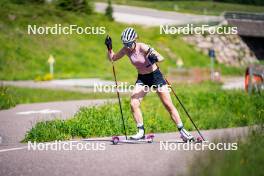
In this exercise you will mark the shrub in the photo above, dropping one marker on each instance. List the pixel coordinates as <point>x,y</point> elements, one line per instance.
<point>84,6</point>
<point>109,11</point>
<point>28,1</point>
<point>46,77</point>
<point>209,109</point>
<point>251,2</point>
<point>6,98</point>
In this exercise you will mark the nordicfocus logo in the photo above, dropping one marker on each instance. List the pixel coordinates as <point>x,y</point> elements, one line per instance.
<point>172,146</point>
<point>124,87</point>
<point>66,146</point>
<point>58,29</point>
<point>190,29</point>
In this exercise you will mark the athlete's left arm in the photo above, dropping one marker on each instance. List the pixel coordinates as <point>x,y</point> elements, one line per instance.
<point>152,54</point>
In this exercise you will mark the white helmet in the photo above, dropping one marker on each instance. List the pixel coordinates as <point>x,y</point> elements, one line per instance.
<point>128,35</point>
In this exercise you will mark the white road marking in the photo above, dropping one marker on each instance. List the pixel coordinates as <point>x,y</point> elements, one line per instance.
<point>44,111</point>
<point>13,149</point>
<point>26,147</point>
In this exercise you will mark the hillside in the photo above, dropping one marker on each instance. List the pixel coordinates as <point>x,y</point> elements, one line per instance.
<point>24,56</point>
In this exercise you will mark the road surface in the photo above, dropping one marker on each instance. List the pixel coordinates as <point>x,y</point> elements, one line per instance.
<point>77,85</point>
<point>16,121</point>
<point>123,159</point>
<point>87,85</point>
<point>153,17</point>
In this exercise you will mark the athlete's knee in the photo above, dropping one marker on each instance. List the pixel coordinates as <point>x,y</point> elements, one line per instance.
<point>134,103</point>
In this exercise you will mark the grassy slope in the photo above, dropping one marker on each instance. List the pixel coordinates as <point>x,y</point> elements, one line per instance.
<point>196,7</point>
<point>24,56</point>
<point>209,106</point>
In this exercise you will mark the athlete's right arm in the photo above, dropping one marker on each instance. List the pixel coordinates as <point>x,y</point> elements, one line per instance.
<point>115,56</point>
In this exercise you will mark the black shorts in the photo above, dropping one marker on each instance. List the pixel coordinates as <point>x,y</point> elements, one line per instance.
<point>154,79</point>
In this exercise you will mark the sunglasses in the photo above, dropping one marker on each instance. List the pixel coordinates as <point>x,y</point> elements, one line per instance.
<point>129,44</point>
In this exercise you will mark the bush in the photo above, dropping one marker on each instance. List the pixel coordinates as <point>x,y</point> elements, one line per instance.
<point>28,1</point>
<point>251,2</point>
<point>84,6</point>
<point>109,11</point>
<point>6,98</point>
<point>46,77</point>
<point>209,109</point>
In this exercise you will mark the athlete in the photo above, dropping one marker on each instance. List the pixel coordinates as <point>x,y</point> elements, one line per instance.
<point>144,59</point>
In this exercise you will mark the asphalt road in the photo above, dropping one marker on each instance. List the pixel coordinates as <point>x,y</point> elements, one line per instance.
<point>87,85</point>
<point>16,121</point>
<point>153,17</point>
<point>77,85</point>
<point>97,157</point>
<point>123,159</point>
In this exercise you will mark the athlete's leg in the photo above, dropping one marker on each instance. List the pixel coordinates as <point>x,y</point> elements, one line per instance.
<point>136,97</point>
<point>165,97</point>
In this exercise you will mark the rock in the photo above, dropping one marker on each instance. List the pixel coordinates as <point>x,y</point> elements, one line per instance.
<point>229,49</point>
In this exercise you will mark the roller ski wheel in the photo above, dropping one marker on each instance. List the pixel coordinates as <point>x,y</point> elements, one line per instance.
<point>199,139</point>
<point>115,140</point>
<point>150,138</point>
<point>192,140</point>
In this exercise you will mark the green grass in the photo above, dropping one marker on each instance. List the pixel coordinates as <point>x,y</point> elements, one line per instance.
<point>209,106</point>
<point>195,7</point>
<point>6,98</point>
<point>24,57</point>
<point>11,96</point>
<point>247,160</point>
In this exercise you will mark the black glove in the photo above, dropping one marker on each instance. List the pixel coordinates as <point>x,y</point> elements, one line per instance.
<point>108,42</point>
<point>151,56</point>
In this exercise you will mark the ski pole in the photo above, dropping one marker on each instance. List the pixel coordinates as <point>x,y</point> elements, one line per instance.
<point>183,108</point>
<point>108,43</point>
<point>119,101</point>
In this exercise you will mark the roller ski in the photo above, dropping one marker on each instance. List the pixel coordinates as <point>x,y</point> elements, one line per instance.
<point>137,138</point>
<point>147,139</point>
<point>187,137</point>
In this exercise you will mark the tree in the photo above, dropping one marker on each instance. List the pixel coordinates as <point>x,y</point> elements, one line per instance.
<point>109,11</point>
<point>76,5</point>
<point>28,1</point>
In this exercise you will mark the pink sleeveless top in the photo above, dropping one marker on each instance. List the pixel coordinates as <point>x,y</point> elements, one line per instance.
<point>138,59</point>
